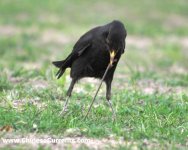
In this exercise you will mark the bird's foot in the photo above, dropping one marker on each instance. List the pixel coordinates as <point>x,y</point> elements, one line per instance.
<point>113,111</point>
<point>64,111</point>
<point>114,117</point>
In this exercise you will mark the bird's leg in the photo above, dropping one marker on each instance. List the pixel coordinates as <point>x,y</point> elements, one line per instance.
<point>68,95</point>
<point>112,55</point>
<point>108,97</point>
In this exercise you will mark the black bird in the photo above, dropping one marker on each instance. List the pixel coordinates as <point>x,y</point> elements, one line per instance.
<point>91,55</point>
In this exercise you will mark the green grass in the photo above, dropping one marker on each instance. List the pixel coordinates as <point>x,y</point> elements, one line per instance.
<point>139,116</point>
<point>34,33</point>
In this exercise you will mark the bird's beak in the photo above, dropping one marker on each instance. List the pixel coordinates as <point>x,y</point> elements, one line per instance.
<point>112,55</point>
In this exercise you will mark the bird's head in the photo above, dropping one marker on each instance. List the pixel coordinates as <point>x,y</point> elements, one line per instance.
<point>116,37</point>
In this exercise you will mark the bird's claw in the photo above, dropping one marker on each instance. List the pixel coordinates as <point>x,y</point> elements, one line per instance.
<point>114,117</point>
<point>63,112</point>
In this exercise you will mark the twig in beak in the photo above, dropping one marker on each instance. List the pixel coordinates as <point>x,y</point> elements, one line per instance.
<point>112,55</point>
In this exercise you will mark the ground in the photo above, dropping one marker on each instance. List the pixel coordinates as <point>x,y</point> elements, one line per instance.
<point>149,88</point>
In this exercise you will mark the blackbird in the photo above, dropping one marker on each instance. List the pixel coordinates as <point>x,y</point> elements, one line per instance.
<point>91,55</point>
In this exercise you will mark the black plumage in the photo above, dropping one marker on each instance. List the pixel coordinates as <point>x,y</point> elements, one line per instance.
<point>91,54</point>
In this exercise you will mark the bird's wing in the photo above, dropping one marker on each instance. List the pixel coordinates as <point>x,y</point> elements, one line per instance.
<point>85,41</point>
<point>82,44</point>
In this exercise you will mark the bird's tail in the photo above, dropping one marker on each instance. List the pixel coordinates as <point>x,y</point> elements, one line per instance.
<point>62,67</point>
<point>64,64</point>
<point>58,64</point>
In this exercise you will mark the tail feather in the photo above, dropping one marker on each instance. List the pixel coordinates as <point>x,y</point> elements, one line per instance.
<point>63,64</point>
<point>60,73</point>
<point>58,64</point>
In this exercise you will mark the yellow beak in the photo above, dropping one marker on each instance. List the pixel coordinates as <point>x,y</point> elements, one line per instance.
<point>112,55</point>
